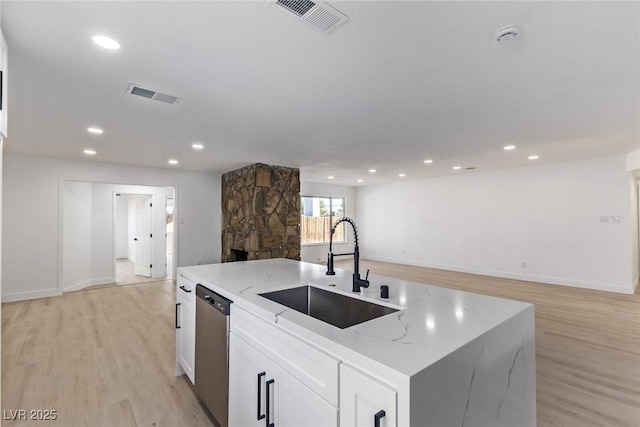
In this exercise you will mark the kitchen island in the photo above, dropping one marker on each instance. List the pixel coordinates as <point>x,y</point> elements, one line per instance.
<point>445,357</point>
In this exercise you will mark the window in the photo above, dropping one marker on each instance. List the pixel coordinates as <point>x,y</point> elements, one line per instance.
<point>317,216</point>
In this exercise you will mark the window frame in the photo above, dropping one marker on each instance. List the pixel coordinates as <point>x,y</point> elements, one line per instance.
<point>331,216</point>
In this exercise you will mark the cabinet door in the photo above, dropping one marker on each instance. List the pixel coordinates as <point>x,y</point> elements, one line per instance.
<point>286,402</point>
<point>365,402</point>
<point>186,335</point>
<point>247,384</point>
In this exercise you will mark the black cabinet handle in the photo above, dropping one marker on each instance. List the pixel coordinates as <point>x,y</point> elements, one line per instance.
<point>185,289</point>
<point>267,423</point>
<point>260,375</point>
<point>177,326</point>
<point>377,417</point>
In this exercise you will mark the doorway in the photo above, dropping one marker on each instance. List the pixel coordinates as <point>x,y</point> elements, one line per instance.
<point>169,208</point>
<point>112,234</point>
<point>133,231</point>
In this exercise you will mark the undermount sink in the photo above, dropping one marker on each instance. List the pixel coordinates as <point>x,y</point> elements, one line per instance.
<point>330,307</point>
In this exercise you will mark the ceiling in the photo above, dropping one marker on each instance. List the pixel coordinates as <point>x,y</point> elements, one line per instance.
<point>399,83</point>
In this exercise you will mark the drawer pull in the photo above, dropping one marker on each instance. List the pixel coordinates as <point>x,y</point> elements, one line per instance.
<point>377,417</point>
<point>268,417</point>
<point>260,375</point>
<point>177,326</point>
<point>185,289</point>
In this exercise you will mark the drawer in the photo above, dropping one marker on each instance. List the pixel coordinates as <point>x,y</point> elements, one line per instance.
<point>187,288</point>
<point>313,368</point>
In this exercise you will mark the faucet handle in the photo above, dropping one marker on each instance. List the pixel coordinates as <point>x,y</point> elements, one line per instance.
<point>367,276</point>
<point>330,271</point>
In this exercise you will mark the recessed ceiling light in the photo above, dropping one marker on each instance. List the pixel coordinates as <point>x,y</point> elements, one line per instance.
<point>372,171</point>
<point>402,175</point>
<point>106,42</point>
<point>533,157</point>
<point>428,161</point>
<point>509,147</point>
<point>197,146</point>
<point>94,130</point>
<point>173,162</point>
<point>361,180</point>
<point>330,177</point>
<point>457,168</point>
<point>90,152</point>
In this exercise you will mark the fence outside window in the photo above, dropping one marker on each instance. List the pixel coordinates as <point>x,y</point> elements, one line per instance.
<point>318,214</point>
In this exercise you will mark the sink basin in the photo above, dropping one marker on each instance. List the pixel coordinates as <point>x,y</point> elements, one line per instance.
<point>330,307</point>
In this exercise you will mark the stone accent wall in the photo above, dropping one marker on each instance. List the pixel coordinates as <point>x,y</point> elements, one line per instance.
<point>261,212</point>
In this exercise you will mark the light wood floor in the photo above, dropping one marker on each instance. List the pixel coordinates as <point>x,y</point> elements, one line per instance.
<point>125,274</point>
<point>587,344</point>
<point>101,357</point>
<point>105,357</point>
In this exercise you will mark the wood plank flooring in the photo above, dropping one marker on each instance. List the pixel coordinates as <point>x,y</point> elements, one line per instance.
<point>106,357</point>
<point>101,357</point>
<point>587,344</point>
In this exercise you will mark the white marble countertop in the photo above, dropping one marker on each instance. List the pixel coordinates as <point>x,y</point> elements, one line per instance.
<point>432,322</point>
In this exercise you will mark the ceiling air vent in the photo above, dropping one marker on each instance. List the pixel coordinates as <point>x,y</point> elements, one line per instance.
<point>134,89</point>
<point>316,13</point>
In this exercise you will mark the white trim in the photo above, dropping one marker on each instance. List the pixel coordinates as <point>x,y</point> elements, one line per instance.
<point>176,226</point>
<point>609,287</point>
<point>60,237</point>
<point>90,282</point>
<point>21,296</point>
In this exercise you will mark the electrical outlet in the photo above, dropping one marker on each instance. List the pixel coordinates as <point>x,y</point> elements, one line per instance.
<point>403,252</point>
<point>609,219</point>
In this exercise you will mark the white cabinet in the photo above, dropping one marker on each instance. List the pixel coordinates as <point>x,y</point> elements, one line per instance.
<point>262,392</point>
<point>364,401</point>
<point>185,328</point>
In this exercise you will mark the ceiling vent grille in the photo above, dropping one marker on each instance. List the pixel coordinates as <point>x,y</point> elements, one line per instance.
<point>316,13</point>
<point>134,89</point>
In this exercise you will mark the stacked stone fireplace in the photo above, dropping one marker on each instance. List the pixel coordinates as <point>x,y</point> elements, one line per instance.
<point>261,213</point>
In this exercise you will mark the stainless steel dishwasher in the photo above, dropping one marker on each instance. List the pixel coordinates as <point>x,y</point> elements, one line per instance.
<point>212,352</point>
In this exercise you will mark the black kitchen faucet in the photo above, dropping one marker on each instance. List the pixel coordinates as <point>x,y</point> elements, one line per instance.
<point>358,282</point>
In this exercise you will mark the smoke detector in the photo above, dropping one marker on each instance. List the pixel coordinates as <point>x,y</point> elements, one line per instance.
<point>316,13</point>
<point>138,90</point>
<point>508,33</point>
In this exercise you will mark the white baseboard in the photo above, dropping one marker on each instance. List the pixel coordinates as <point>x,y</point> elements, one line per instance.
<point>22,296</point>
<point>608,287</point>
<point>90,282</point>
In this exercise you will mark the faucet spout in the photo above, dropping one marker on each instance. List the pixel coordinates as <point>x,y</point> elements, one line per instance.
<point>358,282</point>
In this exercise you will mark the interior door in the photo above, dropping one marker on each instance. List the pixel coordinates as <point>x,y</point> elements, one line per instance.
<point>143,236</point>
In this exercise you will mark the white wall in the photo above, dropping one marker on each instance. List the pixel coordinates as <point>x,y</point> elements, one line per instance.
<point>122,227</point>
<point>489,223</point>
<point>78,229</point>
<point>318,252</point>
<point>30,216</point>
<point>635,232</point>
